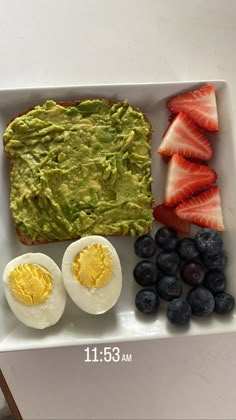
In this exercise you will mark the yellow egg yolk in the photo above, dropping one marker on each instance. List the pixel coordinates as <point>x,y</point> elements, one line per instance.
<point>92,266</point>
<point>30,284</point>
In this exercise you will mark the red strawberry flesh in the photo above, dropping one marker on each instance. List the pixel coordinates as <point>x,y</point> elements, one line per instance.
<point>184,138</point>
<point>200,105</point>
<point>203,210</point>
<point>184,179</point>
<point>167,217</point>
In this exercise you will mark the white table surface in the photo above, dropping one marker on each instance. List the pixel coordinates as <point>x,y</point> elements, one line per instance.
<point>102,41</point>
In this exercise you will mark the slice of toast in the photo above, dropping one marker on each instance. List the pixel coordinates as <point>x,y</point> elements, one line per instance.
<point>12,135</point>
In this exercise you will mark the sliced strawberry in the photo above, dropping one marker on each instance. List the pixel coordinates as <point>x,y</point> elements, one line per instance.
<point>199,161</point>
<point>184,138</point>
<point>166,158</point>
<point>168,126</point>
<point>166,216</point>
<point>200,105</point>
<point>185,178</point>
<point>203,210</point>
<point>171,118</point>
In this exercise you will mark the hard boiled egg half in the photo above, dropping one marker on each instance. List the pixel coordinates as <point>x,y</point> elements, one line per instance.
<point>92,274</point>
<point>34,290</point>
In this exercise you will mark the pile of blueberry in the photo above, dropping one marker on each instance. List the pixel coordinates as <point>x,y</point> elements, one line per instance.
<point>198,262</point>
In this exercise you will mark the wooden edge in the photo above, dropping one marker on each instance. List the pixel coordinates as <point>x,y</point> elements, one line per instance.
<point>9,398</point>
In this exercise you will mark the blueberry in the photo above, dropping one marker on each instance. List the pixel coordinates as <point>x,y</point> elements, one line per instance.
<point>215,262</point>
<point>208,241</point>
<point>145,246</point>
<point>201,301</point>
<point>169,287</point>
<point>178,312</point>
<point>187,250</point>
<point>166,238</point>
<point>215,281</point>
<point>192,273</point>
<point>224,303</point>
<point>168,262</point>
<point>145,273</point>
<point>147,301</point>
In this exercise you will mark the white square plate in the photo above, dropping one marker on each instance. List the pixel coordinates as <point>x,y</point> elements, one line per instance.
<point>122,323</point>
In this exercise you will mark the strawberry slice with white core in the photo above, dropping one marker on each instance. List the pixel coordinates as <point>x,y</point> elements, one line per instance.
<point>204,209</point>
<point>184,138</point>
<point>184,179</point>
<point>167,217</point>
<point>200,105</point>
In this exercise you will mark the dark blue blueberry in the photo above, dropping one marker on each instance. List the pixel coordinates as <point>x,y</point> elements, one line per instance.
<point>224,303</point>
<point>168,262</point>
<point>201,301</point>
<point>147,301</point>
<point>145,273</point>
<point>166,238</point>
<point>215,262</point>
<point>187,250</point>
<point>169,287</point>
<point>145,246</point>
<point>179,312</point>
<point>208,241</point>
<point>192,273</point>
<point>215,281</point>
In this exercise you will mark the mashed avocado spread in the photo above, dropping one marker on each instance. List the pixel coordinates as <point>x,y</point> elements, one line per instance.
<point>80,170</point>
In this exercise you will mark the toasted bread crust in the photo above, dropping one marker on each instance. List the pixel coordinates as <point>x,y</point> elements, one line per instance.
<point>26,240</point>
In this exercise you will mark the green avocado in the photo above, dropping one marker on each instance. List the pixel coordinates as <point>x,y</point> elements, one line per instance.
<point>80,170</point>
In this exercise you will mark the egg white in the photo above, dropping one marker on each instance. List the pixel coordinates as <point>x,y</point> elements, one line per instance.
<point>92,300</point>
<point>50,311</point>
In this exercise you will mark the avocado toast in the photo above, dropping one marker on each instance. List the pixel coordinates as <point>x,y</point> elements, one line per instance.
<point>79,168</point>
